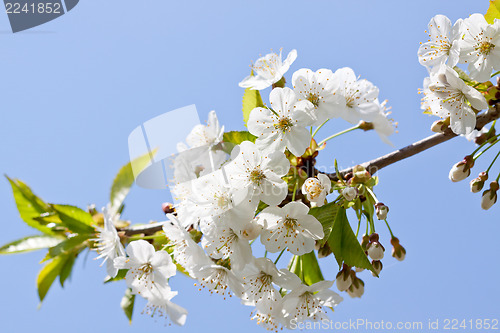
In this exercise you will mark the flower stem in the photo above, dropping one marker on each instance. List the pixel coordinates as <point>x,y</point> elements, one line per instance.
<point>490,140</point>
<point>496,73</point>
<point>493,162</point>
<point>317,128</point>
<point>279,256</point>
<point>295,189</point>
<point>484,151</point>
<point>338,134</point>
<point>387,223</point>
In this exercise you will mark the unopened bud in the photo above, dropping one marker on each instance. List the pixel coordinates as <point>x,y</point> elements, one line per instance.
<point>359,269</point>
<point>360,175</point>
<point>357,288</point>
<point>375,250</point>
<point>461,170</point>
<point>398,251</point>
<point>437,126</point>
<point>489,196</point>
<point>167,208</point>
<point>344,278</point>
<point>350,193</point>
<point>377,266</point>
<point>381,211</point>
<point>477,184</point>
<point>365,241</point>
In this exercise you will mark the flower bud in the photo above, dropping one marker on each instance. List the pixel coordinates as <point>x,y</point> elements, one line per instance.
<point>357,288</point>
<point>398,251</point>
<point>381,211</point>
<point>437,126</point>
<point>489,196</point>
<point>365,241</point>
<point>461,170</point>
<point>375,250</point>
<point>360,175</point>
<point>350,193</point>
<point>167,208</point>
<point>251,230</point>
<point>377,266</point>
<point>344,278</point>
<point>477,184</point>
<point>359,269</point>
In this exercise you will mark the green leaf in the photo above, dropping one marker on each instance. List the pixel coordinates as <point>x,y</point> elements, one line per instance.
<point>233,138</point>
<point>127,304</point>
<point>493,11</point>
<point>251,100</point>
<point>67,268</point>
<point>48,274</point>
<point>30,243</point>
<point>67,246</point>
<point>125,178</point>
<point>75,219</point>
<point>326,216</point>
<point>29,205</point>
<point>345,245</point>
<point>307,268</point>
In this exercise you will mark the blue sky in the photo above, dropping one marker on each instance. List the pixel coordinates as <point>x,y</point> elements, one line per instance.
<point>74,88</point>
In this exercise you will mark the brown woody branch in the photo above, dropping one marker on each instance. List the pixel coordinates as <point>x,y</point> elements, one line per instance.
<point>419,146</point>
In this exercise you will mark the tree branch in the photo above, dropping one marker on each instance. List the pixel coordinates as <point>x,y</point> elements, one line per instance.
<point>372,166</point>
<point>381,162</point>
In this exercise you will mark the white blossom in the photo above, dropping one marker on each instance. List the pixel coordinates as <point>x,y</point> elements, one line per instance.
<point>443,44</point>
<point>356,97</point>
<point>108,243</point>
<point>480,47</point>
<point>159,304</point>
<point>285,125</point>
<point>268,70</point>
<point>318,88</point>
<point>307,302</point>
<point>258,173</point>
<point>449,96</point>
<point>217,279</point>
<point>317,188</point>
<point>148,270</point>
<point>290,226</point>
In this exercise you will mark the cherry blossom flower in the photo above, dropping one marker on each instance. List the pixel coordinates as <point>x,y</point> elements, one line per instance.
<point>159,304</point>
<point>317,188</point>
<point>108,244</point>
<point>307,302</point>
<point>356,97</point>
<point>223,242</point>
<point>443,44</point>
<point>185,251</point>
<point>217,279</point>
<point>290,226</point>
<point>480,47</point>
<point>204,135</point>
<point>268,70</point>
<point>318,88</point>
<point>449,96</point>
<point>382,125</point>
<point>258,173</point>
<point>285,125</point>
<point>148,270</point>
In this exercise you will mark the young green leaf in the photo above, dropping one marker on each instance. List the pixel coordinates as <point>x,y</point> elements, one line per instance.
<point>30,243</point>
<point>68,245</point>
<point>307,268</point>
<point>75,219</point>
<point>326,216</point>
<point>29,205</point>
<point>345,245</point>
<point>48,274</point>
<point>127,304</point>
<point>125,178</point>
<point>233,138</point>
<point>67,268</point>
<point>119,276</point>
<point>251,100</point>
<point>493,11</point>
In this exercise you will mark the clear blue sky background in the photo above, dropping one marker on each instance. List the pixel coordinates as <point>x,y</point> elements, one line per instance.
<point>73,89</point>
